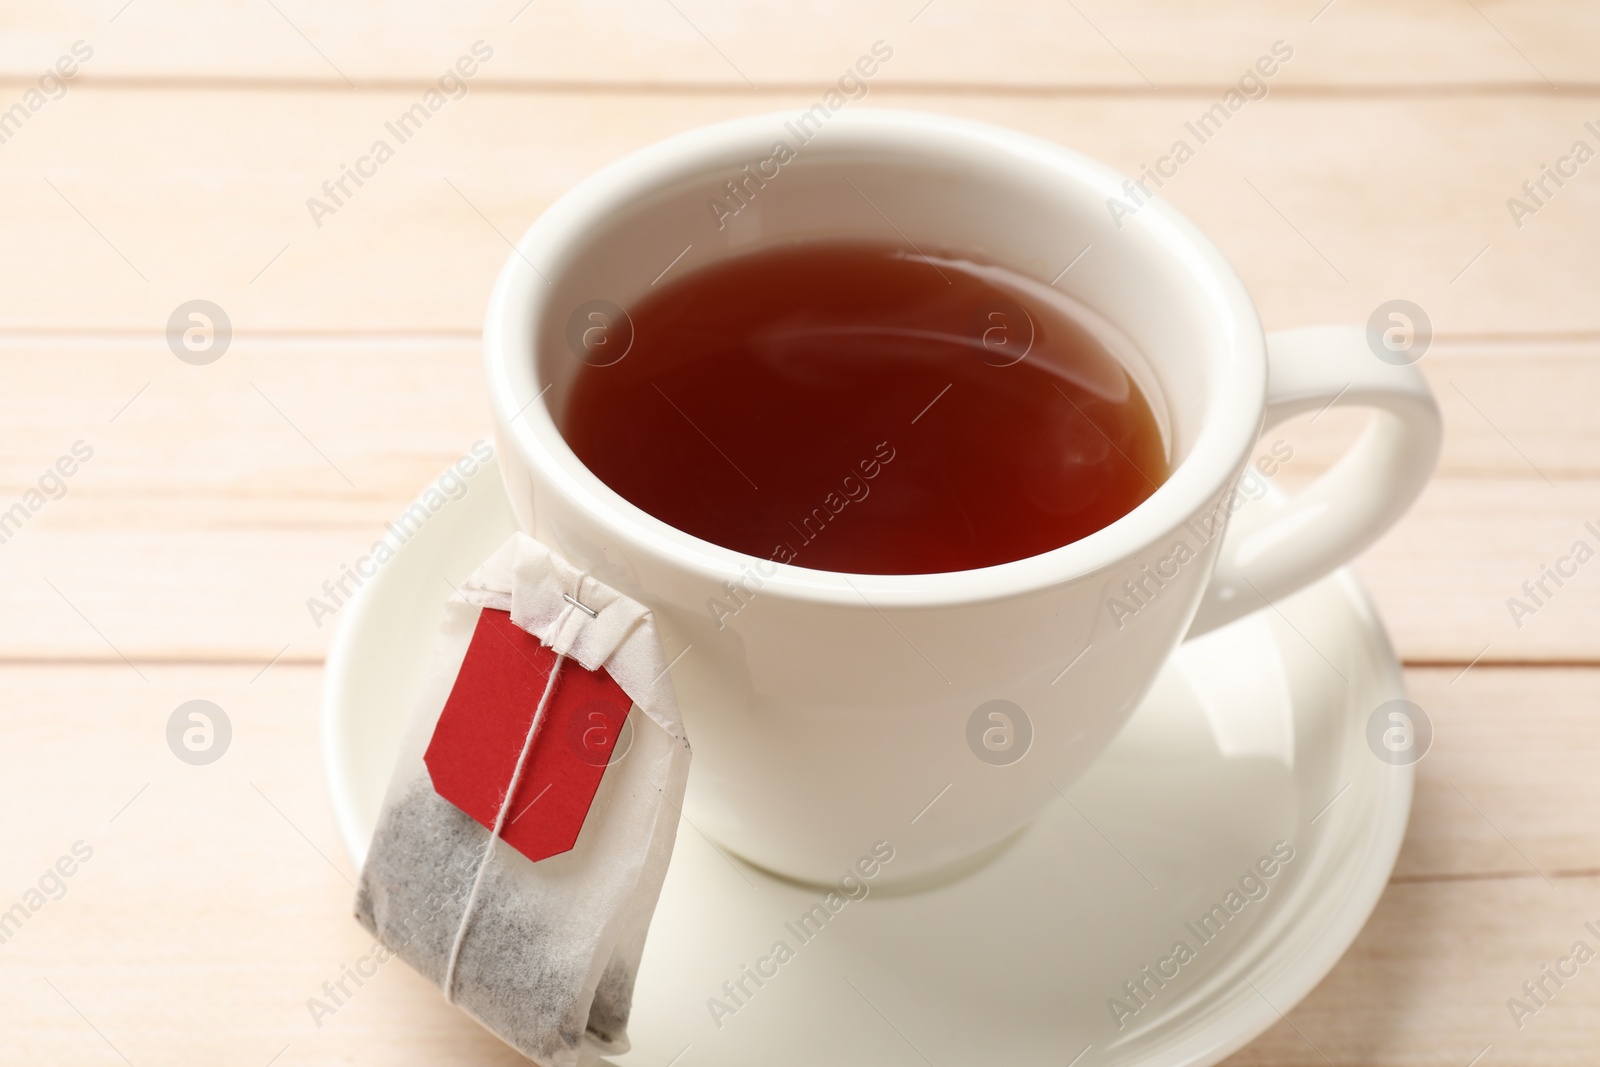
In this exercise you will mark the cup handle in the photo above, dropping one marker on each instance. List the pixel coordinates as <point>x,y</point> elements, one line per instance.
<point>1272,550</point>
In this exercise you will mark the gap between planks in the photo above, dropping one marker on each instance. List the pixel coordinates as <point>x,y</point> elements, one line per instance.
<point>1375,90</point>
<point>1492,876</point>
<point>317,660</point>
<point>13,336</point>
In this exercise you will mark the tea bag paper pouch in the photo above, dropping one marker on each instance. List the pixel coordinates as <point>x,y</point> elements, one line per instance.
<point>531,814</point>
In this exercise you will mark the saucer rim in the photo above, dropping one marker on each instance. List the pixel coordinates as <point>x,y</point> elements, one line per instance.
<point>1298,974</point>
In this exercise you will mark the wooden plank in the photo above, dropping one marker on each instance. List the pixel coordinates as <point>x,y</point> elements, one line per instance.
<point>723,44</point>
<point>1496,878</point>
<point>1442,579</point>
<point>1426,983</point>
<point>127,202</point>
<point>386,411</point>
<point>179,579</point>
<point>217,503</point>
<point>1514,409</point>
<point>1505,788</point>
<point>222,497</point>
<point>181,943</point>
<point>218,498</point>
<point>217,899</point>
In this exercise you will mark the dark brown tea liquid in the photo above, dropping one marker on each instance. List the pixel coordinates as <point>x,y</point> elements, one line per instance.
<point>858,407</point>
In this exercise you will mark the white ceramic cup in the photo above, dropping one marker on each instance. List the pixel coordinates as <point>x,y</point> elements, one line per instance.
<point>835,711</point>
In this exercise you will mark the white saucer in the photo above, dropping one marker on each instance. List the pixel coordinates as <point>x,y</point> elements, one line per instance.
<point>1252,735</point>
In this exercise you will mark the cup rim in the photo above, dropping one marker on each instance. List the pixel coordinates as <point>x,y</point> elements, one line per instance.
<point>1230,425</point>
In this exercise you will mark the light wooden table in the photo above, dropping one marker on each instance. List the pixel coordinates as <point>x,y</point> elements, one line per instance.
<point>177,165</point>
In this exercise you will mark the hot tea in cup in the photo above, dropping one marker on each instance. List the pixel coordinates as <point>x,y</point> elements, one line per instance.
<point>863,407</point>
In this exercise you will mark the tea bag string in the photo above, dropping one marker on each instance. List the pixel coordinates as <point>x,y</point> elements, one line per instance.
<point>511,790</point>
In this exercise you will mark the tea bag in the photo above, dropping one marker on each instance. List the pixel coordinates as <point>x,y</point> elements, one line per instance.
<point>549,722</point>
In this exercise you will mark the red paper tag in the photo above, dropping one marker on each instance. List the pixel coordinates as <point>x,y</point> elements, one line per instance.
<point>485,722</point>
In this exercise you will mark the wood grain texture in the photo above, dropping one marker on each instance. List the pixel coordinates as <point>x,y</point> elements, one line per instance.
<point>218,898</point>
<point>254,480</point>
<point>1426,983</point>
<point>177,561</point>
<point>1506,789</point>
<point>725,45</point>
<point>216,902</point>
<point>1328,207</point>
